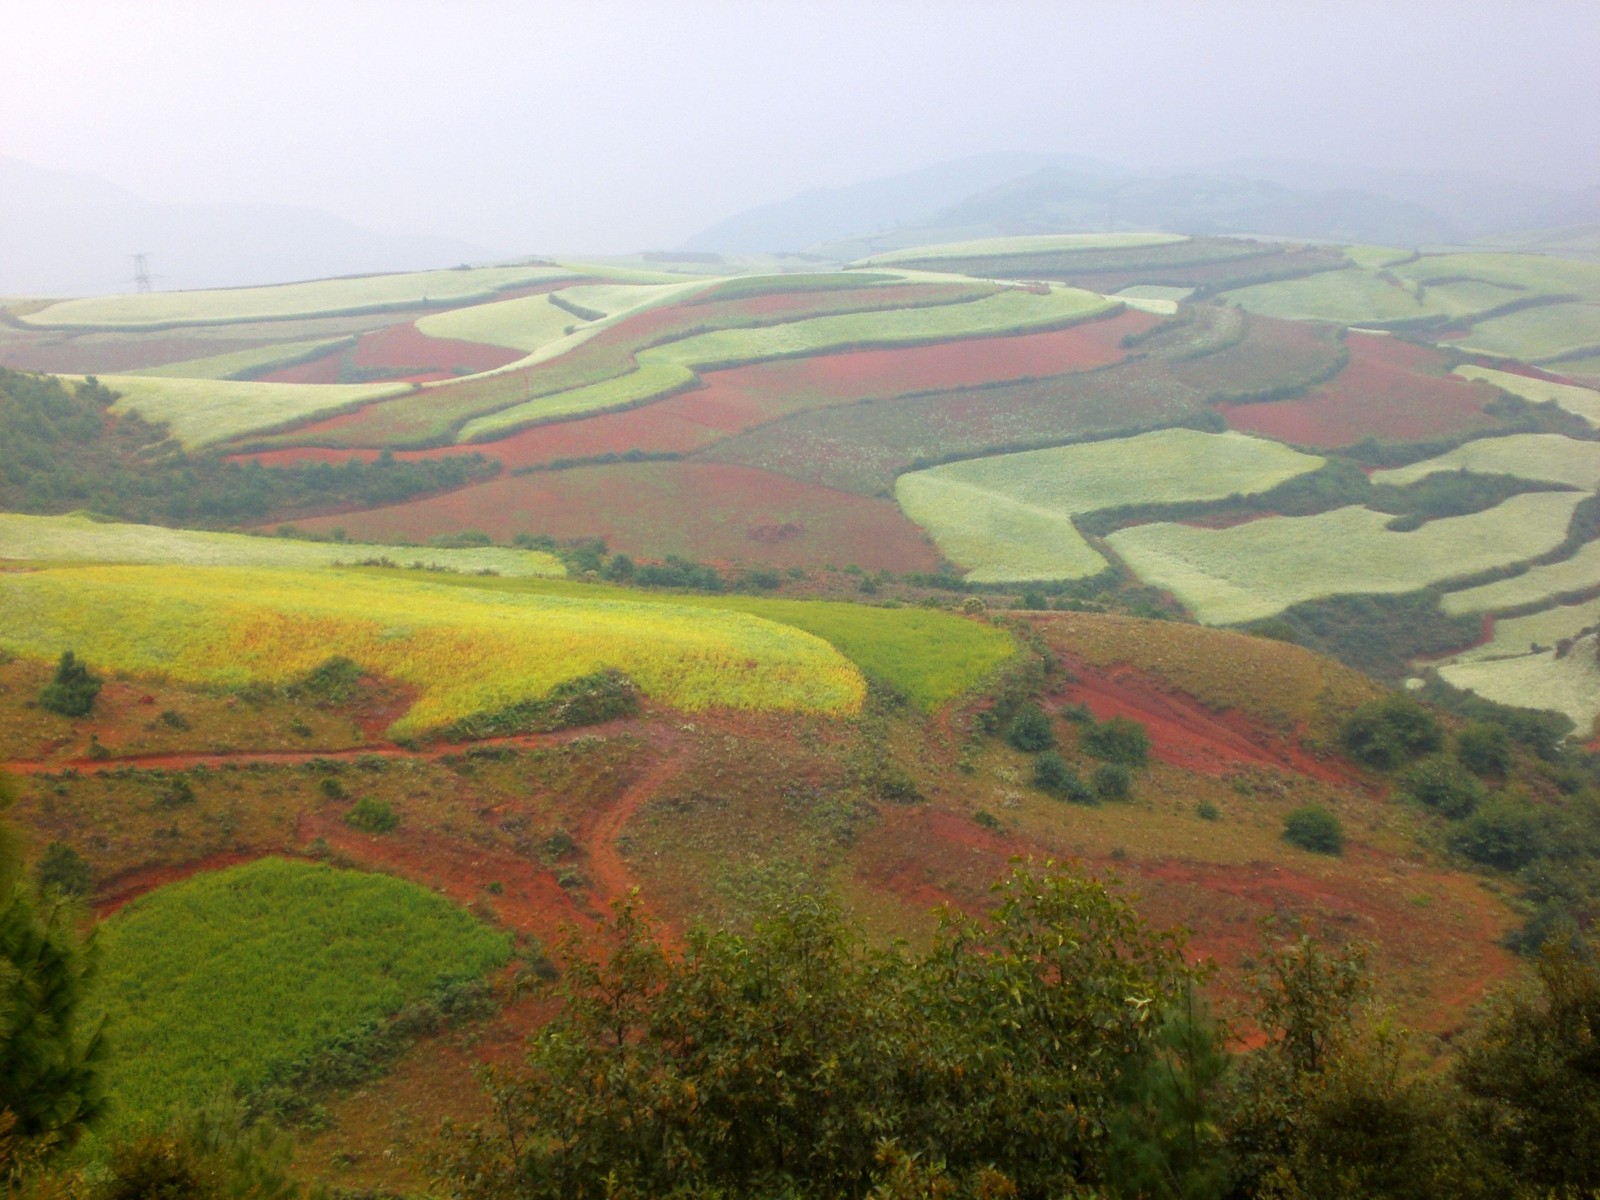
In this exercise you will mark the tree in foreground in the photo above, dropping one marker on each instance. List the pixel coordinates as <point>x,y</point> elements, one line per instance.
<point>796,1060</point>
<point>73,690</point>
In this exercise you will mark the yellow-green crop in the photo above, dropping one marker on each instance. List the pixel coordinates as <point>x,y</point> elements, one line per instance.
<point>466,651</point>
<point>1543,456</point>
<point>1582,401</point>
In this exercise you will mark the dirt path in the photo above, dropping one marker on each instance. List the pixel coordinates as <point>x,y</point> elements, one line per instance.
<point>607,871</point>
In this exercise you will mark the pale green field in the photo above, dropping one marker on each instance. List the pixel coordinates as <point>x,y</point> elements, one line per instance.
<point>259,358</point>
<point>1039,244</point>
<point>1548,457</point>
<point>526,323</point>
<point>1574,574</point>
<point>320,298</point>
<point>664,369</point>
<point>1154,291</point>
<point>466,651</point>
<point>207,412</point>
<point>79,539</point>
<point>1374,258</point>
<point>1581,401</point>
<point>1516,636</point>
<point>616,299</point>
<point>1257,570</point>
<point>1009,517</point>
<point>1535,273</point>
<point>1570,684</point>
<point>1537,335</point>
<point>1350,297</point>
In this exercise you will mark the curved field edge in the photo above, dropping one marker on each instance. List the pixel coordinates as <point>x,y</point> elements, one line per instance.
<point>1256,570</point>
<point>208,984</point>
<point>1009,516</point>
<point>467,654</point>
<point>152,311</point>
<point>666,369</point>
<point>82,539</point>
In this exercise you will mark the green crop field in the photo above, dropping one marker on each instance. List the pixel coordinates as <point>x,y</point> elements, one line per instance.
<point>1543,456</point>
<point>241,362</point>
<point>1582,401</point>
<point>1536,584</point>
<point>467,652</point>
<point>1350,297</point>
<point>208,984</point>
<point>526,323</point>
<point>1534,634</point>
<point>81,539</point>
<point>1259,569</point>
<point>323,297</point>
<point>1535,274</point>
<point>207,412</point>
<point>1536,335</point>
<point>1039,244</point>
<point>929,655</point>
<point>1009,517</point>
<point>668,368</point>
<point>1569,684</point>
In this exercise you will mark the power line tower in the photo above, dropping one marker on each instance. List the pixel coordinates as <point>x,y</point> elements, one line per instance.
<point>141,273</point>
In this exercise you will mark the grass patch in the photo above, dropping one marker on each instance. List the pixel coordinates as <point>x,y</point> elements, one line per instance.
<point>209,984</point>
<point>1544,456</point>
<point>1580,401</point>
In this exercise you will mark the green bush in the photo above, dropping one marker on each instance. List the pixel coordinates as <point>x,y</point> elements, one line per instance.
<point>1112,781</point>
<point>1052,774</point>
<point>1390,732</point>
<point>1442,786</point>
<point>1119,740</point>
<point>73,690</point>
<point>372,816</point>
<point>1030,730</point>
<point>1484,749</point>
<point>1314,828</point>
<point>1504,834</point>
<point>62,869</point>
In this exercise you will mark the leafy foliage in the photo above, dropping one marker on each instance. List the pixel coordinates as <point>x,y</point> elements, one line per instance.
<point>1052,774</point>
<point>72,692</point>
<point>1314,828</point>
<point>1442,786</point>
<point>63,870</point>
<point>1389,732</point>
<point>1119,740</point>
<point>1030,730</point>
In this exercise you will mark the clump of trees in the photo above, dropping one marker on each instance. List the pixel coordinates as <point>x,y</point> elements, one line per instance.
<point>73,690</point>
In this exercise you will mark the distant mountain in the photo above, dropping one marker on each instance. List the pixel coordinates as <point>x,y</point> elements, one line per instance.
<point>1019,193</point>
<point>833,214</point>
<point>68,233</point>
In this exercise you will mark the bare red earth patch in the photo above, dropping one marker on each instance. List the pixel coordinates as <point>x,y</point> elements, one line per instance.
<point>1392,390</point>
<point>698,510</point>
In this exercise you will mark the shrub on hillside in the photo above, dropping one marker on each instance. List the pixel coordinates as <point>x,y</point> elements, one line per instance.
<point>1112,781</point>
<point>1484,749</point>
<point>1314,828</point>
<point>1442,786</point>
<point>1390,732</point>
<point>1119,740</point>
<point>372,816</point>
<point>73,690</point>
<point>1504,834</point>
<point>62,869</point>
<point>1030,730</point>
<point>1052,774</point>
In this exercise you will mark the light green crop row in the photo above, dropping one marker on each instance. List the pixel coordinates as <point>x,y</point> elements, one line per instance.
<point>1037,244</point>
<point>320,298</point>
<point>1009,517</point>
<point>207,412</point>
<point>1581,401</point>
<point>1259,569</point>
<point>80,539</point>
<point>257,358</point>
<point>1547,457</point>
<point>1575,574</point>
<point>1569,684</point>
<point>208,984</point>
<point>525,323</point>
<point>667,368</point>
<point>1542,334</point>
<point>1535,274</point>
<point>1535,633</point>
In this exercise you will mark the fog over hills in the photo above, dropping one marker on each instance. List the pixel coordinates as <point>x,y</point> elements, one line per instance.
<point>74,233</point>
<point>1025,194</point>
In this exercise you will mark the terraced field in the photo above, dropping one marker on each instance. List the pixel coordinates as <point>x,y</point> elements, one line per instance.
<point>81,539</point>
<point>468,653</point>
<point>1543,456</point>
<point>1580,401</point>
<point>1567,683</point>
<point>1536,585</point>
<point>1009,517</point>
<point>323,297</point>
<point>1256,570</point>
<point>1545,334</point>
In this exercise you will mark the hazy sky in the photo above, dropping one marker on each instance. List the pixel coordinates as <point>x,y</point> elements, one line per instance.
<point>608,126</point>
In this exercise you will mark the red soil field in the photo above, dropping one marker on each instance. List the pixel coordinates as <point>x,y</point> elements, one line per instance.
<point>401,349</point>
<point>743,397</point>
<point>1392,390</point>
<point>705,511</point>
